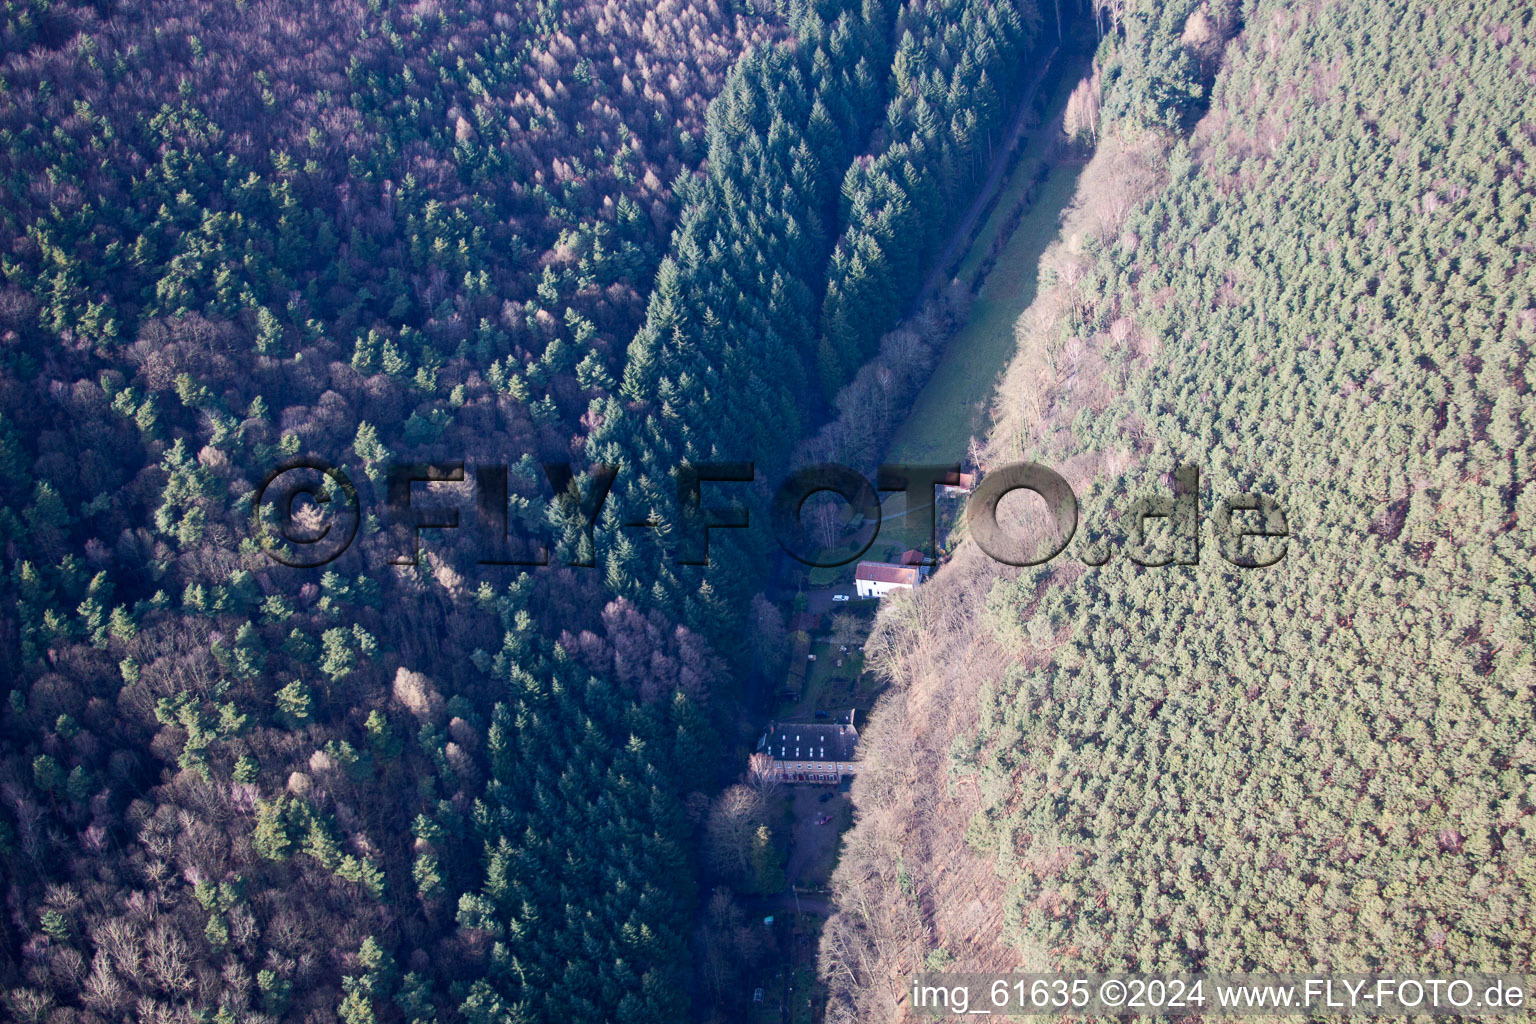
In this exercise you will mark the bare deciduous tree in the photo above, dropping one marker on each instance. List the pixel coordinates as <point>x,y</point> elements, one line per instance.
<point>733,820</point>
<point>1081,117</point>
<point>762,777</point>
<point>849,630</point>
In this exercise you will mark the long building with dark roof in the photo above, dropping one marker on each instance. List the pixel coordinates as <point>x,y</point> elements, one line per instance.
<point>810,752</point>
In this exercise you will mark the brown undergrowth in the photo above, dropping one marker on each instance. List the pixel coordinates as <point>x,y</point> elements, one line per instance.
<point>912,892</point>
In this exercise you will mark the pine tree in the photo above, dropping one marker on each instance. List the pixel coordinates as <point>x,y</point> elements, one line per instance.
<point>270,838</point>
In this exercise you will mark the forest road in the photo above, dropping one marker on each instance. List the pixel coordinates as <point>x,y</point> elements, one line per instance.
<point>960,238</point>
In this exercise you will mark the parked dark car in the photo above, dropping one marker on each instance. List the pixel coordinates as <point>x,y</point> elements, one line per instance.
<point>823,714</point>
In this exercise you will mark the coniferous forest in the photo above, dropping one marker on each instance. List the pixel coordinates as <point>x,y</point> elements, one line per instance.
<point>1299,260</point>
<point>542,251</point>
<point>513,234</point>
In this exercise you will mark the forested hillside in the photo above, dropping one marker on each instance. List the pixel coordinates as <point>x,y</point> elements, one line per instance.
<point>944,114</point>
<point>1324,294</point>
<point>237,234</point>
<point>726,365</point>
<point>504,233</point>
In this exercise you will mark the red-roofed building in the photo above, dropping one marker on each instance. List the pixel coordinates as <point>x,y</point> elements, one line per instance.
<point>876,579</point>
<point>958,483</point>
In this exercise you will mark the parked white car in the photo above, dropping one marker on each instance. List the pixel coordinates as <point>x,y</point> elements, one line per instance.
<point>841,597</point>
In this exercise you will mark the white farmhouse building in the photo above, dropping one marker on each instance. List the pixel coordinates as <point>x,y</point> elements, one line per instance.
<point>876,579</point>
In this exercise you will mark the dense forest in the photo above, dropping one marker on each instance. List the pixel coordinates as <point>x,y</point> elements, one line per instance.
<point>1312,279</point>
<point>508,233</point>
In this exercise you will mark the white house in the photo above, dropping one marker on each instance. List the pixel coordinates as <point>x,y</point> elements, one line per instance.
<point>876,579</point>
